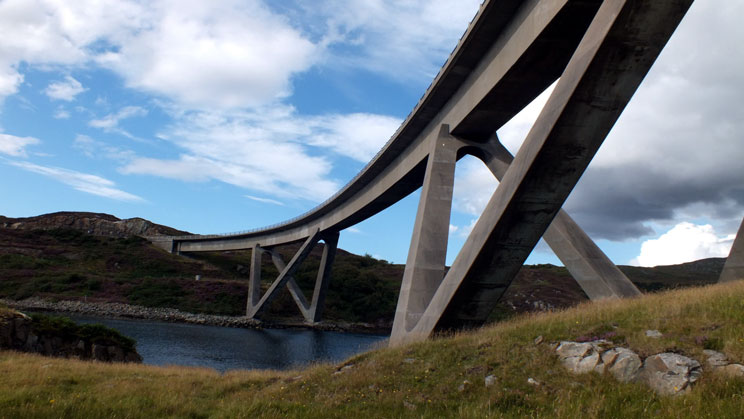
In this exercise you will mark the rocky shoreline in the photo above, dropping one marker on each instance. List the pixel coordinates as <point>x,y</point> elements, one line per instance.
<point>103,309</point>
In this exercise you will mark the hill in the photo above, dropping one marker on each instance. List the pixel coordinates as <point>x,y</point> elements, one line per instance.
<point>100,258</point>
<point>444,377</point>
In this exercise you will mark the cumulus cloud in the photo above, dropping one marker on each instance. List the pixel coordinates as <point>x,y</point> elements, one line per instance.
<point>16,146</point>
<point>685,242</point>
<point>65,90</point>
<point>225,53</point>
<point>82,182</point>
<point>474,185</point>
<point>676,151</point>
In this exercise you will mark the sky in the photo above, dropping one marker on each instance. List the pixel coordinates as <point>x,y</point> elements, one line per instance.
<point>229,115</point>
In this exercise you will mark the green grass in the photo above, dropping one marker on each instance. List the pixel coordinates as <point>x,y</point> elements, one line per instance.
<point>420,380</point>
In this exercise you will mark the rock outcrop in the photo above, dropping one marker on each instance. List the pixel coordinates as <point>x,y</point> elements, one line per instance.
<point>666,373</point>
<point>17,333</point>
<point>91,223</point>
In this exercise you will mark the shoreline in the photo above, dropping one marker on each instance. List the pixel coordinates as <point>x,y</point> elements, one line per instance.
<point>121,310</point>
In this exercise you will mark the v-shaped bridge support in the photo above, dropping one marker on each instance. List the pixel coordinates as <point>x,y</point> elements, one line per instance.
<point>312,310</point>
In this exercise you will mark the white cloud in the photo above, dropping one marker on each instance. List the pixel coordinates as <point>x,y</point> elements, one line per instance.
<point>98,149</point>
<point>112,120</point>
<point>16,146</point>
<point>405,40</point>
<point>61,113</point>
<point>264,200</point>
<point>357,135</point>
<point>271,149</point>
<point>224,53</point>
<point>83,182</point>
<point>474,185</point>
<point>65,90</point>
<point>227,54</point>
<point>685,242</point>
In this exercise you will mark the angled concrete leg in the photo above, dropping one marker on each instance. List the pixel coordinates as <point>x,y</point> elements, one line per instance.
<point>734,267</point>
<point>324,276</point>
<point>621,43</point>
<point>426,257</point>
<point>285,276</point>
<point>254,283</point>
<point>590,267</point>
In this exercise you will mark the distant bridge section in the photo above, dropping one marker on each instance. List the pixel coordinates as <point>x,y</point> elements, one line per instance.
<point>598,50</point>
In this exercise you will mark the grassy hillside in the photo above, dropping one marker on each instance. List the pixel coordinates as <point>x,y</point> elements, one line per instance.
<point>70,264</point>
<point>420,380</point>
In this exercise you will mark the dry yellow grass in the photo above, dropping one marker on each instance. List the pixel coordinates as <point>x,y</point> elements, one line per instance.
<point>419,380</point>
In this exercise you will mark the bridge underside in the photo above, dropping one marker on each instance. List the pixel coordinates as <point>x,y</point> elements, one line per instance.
<point>598,50</point>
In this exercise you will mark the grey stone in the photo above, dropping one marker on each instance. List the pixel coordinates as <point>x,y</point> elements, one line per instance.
<point>735,370</point>
<point>490,380</point>
<point>464,386</point>
<point>653,334</point>
<point>532,381</point>
<point>538,340</point>
<point>669,373</point>
<point>568,349</point>
<point>715,359</point>
<point>622,363</point>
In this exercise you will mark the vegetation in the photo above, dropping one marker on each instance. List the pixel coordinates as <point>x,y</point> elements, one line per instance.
<point>420,380</point>
<point>69,330</point>
<point>73,265</point>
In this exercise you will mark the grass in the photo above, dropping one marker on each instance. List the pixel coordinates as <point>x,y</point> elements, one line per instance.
<point>420,380</point>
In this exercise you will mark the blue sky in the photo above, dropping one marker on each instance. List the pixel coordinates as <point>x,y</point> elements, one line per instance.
<point>227,115</point>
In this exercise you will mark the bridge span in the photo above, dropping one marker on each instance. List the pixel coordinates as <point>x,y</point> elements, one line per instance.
<point>599,51</point>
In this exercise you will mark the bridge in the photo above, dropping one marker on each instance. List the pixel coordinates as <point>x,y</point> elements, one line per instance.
<point>598,51</point>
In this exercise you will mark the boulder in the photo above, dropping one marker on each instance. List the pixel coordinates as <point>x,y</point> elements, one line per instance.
<point>715,359</point>
<point>622,363</point>
<point>734,370</point>
<point>653,334</point>
<point>669,373</point>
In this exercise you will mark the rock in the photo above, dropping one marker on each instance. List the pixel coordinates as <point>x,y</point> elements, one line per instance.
<point>715,359</point>
<point>622,363</point>
<point>99,352</point>
<point>538,340</point>
<point>669,373</point>
<point>408,405</point>
<point>533,382</point>
<point>464,386</point>
<point>22,328</point>
<point>582,357</point>
<point>409,360</point>
<point>343,369</point>
<point>653,334</point>
<point>490,380</point>
<point>568,349</point>
<point>734,370</point>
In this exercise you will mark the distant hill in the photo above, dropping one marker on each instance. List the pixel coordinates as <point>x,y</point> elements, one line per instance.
<point>90,223</point>
<point>98,257</point>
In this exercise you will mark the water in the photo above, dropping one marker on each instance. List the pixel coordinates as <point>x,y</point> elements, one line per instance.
<point>225,348</point>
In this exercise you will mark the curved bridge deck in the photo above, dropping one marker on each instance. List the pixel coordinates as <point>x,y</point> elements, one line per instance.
<point>599,50</point>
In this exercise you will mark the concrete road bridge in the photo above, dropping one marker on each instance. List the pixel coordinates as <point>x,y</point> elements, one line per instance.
<point>599,51</point>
